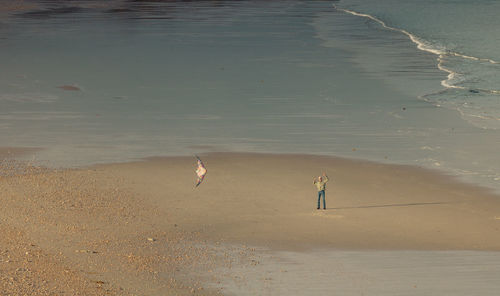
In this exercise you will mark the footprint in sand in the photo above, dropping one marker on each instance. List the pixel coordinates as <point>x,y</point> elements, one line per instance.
<point>326,215</point>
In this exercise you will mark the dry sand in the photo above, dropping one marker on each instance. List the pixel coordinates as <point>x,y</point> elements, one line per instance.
<point>143,228</point>
<point>270,200</point>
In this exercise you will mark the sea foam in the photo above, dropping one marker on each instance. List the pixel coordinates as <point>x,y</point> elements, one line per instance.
<point>487,116</point>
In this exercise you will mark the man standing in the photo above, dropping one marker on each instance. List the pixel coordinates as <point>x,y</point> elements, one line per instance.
<point>320,184</point>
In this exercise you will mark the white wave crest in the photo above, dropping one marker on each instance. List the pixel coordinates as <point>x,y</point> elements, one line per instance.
<point>425,46</point>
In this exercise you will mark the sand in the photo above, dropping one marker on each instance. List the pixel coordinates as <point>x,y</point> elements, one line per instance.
<point>142,228</point>
<point>373,272</point>
<point>13,152</point>
<point>270,200</point>
<point>13,6</point>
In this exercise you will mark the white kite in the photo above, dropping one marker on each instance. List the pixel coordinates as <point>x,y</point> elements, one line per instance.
<point>201,171</point>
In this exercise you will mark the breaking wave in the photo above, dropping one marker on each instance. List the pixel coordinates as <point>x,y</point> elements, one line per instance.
<point>460,86</point>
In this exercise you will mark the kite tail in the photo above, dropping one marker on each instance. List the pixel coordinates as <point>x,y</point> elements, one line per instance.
<point>199,182</point>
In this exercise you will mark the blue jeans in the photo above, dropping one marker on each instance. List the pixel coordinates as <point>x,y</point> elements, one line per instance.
<point>321,193</point>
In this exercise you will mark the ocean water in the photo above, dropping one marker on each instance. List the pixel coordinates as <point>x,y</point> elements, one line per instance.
<point>464,36</point>
<point>107,81</point>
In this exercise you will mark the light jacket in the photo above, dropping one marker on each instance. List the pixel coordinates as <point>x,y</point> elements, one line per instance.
<point>321,185</point>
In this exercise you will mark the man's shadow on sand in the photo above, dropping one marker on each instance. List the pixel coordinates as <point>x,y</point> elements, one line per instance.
<point>391,205</point>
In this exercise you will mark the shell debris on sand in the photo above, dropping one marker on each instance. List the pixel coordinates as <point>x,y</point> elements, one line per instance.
<point>95,229</point>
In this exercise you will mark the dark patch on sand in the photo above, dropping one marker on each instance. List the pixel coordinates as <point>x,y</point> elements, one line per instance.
<point>119,10</point>
<point>16,6</point>
<point>51,12</point>
<point>69,87</point>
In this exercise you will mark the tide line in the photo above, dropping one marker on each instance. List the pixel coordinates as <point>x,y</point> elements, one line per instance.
<point>426,47</point>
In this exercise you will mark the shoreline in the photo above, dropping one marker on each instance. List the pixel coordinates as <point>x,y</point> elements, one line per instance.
<point>24,153</point>
<point>351,273</point>
<point>13,152</point>
<point>413,202</point>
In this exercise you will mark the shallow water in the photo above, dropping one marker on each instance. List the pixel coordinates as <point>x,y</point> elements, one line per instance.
<point>465,37</point>
<point>349,273</point>
<point>97,82</point>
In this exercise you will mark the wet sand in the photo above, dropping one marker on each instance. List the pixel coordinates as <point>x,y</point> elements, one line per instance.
<point>143,228</point>
<point>12,152</point>
<point>374,272</point>
<point>16,6</point>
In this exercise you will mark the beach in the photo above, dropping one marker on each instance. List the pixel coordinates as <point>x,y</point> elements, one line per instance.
<point>142,228</point>
<point>104,106</point>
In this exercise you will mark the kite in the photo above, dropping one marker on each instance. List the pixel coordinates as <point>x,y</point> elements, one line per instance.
<point>201,171</point>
